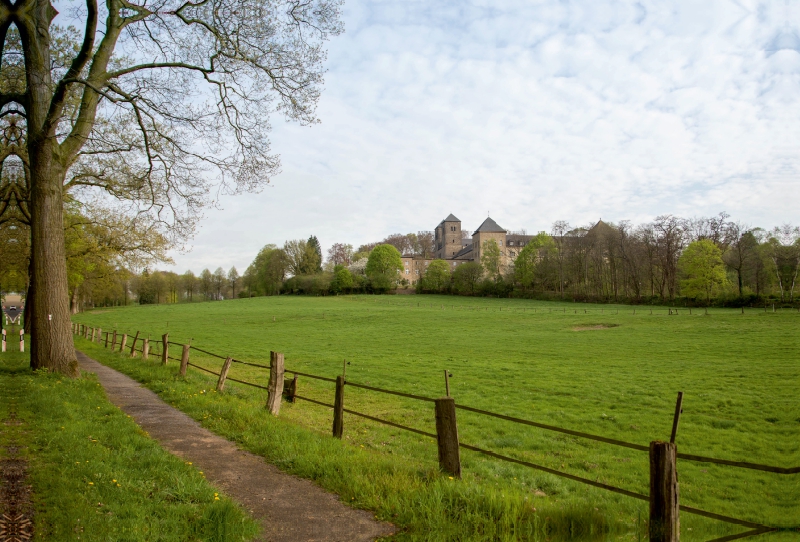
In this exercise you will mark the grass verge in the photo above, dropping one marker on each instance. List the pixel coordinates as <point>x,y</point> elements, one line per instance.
<point>96,475</point>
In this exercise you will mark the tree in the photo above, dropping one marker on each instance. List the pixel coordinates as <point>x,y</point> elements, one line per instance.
<point>559,231</point>
<point>701,263</point>
<point>313,261</point>
<point>125,106</point>
<point>340,254</point>
<point>466,277</point>
<point>189,283</point>
<point>219,282</point>
<point>741,251</point>
<point>144,289</point>
<point>383,266</point>
<point>233,278</point>
<point>437,276</point>
<point>401,242</point>
<point>530,259</point>
<point>269,269</point>
<point>490,259</point>
<point>303,257</point>
<point>206,284</point>
<point>784,250</point>
<point>425,244</point>
<point>342,280</point>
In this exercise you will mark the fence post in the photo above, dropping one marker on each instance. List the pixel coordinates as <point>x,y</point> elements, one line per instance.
<point>4,340</point>
<point>21,340</point>
<point>275,386</point>
<point>291,391</point>
<point>133,346</point>
<point>145,348</point>
<point>123,342</point>
<point>184,360</point>
<point>664,516</point>
<point>165,348</point>
<point>447,436</point>
<point>99,334</point>
<point>223,374</point>
<point>338,408</point>
<point>114,341</point>
<point>107,335</point>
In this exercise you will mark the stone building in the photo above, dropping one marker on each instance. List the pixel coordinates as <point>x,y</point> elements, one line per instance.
<point>452,245</point>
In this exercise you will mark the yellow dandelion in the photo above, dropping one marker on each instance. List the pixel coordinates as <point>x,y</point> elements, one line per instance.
<point>91,483</point>
<point>450,477</point>
<point>114,481</point>
<point>216,498</point>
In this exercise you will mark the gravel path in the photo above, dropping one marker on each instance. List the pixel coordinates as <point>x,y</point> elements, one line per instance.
<point>289,508</point>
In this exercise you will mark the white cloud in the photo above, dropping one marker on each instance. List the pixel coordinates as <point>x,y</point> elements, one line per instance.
<point>535,112</point>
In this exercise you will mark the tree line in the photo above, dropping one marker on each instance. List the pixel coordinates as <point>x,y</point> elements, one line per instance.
<point>703,260</point>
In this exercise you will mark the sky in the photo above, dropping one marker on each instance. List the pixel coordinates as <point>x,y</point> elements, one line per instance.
<point>532,112</point>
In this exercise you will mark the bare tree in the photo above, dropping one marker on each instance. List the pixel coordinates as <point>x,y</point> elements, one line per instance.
<point>425,245</point>
<point>152,98</point>
<point>400,242</point>
<point>340,254</point>
<point>741,251</point>
<point>558,231</point>
<point>233,279</point>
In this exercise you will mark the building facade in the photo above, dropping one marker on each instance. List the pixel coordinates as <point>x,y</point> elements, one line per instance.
<point>455,246</point>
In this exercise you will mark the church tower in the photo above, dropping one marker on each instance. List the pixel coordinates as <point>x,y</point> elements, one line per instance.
<point>448,237</point>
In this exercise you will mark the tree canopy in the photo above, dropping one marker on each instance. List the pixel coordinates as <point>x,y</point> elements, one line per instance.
<point>383,266</point>
<point>149,111</point>
<point>702,265</point>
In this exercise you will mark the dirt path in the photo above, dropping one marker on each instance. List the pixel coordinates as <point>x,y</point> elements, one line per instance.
<point>290,509</point>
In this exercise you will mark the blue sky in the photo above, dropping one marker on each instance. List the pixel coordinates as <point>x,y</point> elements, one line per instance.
<point>533,112</point>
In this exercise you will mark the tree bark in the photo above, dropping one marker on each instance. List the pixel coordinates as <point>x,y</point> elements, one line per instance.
<point>51,343</point>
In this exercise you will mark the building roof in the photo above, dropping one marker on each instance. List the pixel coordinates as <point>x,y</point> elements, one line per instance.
<point>451,218</point>
<point>461,254</point>
<point>489,226</point>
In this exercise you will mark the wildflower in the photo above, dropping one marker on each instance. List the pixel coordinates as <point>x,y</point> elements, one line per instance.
<point>216,498</point>
<point>91,483</point>
<point>450,477</point>
<point>114,481</point>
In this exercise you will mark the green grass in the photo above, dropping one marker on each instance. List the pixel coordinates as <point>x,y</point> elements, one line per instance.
<point>96,475</point>
<point>739,374</point>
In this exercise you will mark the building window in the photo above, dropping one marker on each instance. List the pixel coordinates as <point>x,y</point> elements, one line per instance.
<point>512,253</point>
<point>501,243</point>
<point>417,271</point>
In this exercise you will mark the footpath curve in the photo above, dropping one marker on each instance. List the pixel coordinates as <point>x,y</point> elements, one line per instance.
<point>289,508</point>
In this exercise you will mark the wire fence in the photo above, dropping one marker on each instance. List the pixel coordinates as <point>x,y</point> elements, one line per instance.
<point>756,527</point>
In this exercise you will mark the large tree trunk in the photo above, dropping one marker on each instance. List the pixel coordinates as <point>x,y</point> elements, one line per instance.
<point>51,340</point>
<point>29,309</point>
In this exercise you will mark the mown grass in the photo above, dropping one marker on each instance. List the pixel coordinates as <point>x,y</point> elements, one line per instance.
<point>97,476</point>
<point>517,357</point>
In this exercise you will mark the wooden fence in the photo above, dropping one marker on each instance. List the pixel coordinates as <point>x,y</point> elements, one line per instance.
<point>662,497</point>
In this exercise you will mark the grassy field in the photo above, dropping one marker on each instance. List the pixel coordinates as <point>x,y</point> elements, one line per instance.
<point>95,475</point>
<point>598,369</point>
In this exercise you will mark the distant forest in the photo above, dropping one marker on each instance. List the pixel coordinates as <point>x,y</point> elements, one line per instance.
<point>700,261</point>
